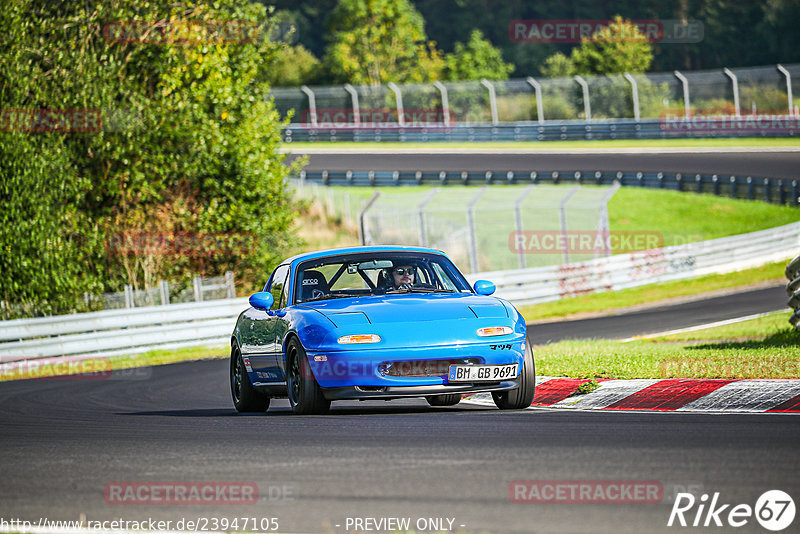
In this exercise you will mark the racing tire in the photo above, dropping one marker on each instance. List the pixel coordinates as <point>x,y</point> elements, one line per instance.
<point>305,395</point>
<point>444,400</point>
<point>521,397</point>
<point>245,397</point>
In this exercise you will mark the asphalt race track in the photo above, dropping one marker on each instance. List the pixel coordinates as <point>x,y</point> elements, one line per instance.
<point>740,163</point>
<point>64,440</point>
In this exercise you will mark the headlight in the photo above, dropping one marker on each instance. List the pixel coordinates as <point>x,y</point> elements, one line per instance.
<point>494,331</point>
<point>359,338</point>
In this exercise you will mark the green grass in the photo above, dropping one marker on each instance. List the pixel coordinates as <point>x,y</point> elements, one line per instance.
<point>682,217</point>
<point>761,348</point>
<point>102,365</point>
<point>676,218</point>
<point>610,300</point>
<point>548,145</point>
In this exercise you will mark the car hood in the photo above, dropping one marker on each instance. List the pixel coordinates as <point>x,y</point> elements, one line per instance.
<point>411,307</point>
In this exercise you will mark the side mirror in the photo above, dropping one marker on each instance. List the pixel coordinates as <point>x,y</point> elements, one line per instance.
<point>484,287</point>
<point>262,300</point>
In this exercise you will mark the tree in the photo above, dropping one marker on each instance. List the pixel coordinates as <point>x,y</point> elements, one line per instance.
<point>616,48</point>
<point>186,145</point>
<point>293,66</point>
<point>380,41</point>
<point>558,66</point>
<point>476,60</point>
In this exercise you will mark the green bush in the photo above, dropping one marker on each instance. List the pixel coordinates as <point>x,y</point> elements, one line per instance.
<point>188,146</point>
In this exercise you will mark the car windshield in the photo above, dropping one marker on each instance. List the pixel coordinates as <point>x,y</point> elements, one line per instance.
<point>381,273</point>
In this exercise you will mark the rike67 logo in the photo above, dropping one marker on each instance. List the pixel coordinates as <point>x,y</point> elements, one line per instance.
<point>774,510</point>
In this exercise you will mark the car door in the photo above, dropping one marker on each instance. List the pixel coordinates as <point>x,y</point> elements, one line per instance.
<point>278,328</point>
<point>263,359</point>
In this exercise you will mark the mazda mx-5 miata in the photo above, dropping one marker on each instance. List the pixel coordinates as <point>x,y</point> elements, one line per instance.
<point>380,322</point>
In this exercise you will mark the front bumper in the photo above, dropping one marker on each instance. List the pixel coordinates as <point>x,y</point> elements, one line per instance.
<point>372,367</point>
<point>397,392</point>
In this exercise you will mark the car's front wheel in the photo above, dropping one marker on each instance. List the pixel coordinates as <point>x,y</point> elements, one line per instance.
<point>444,400</point>
<point>522,397</point>
<point>305,395</point>
<point>245,397</point>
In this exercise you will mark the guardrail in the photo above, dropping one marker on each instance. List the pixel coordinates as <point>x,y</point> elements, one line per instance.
<point>793,289</point>
<point>774,190</point>
<point>779,126</point>
<point>543,284</point>
<point>134,330</point>
<point>122,331</point>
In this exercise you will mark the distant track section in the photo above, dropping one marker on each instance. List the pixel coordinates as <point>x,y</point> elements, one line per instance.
<point>773,162</point>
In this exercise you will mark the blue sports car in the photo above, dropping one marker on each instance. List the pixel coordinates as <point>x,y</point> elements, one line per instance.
<point>380,322</point>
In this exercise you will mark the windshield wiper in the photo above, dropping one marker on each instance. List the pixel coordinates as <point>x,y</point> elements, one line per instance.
<point>419,290</point>
<point>327,296</point>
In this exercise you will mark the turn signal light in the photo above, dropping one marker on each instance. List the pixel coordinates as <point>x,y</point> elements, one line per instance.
<point>494,331</point>
<point>359,338</point>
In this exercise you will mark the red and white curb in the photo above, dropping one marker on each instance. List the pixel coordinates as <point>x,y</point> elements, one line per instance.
<point>665,395</point>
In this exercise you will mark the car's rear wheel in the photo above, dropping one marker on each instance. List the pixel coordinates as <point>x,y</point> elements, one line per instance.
<point>305,395</point>
<point>521,397</point>
<point>245,396</point>
<point>444,400</point>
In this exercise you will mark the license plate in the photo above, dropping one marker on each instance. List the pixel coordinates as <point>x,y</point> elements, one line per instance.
<point>481,373</point>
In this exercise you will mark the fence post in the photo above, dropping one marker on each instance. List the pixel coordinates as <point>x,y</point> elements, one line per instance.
<point>788,76</point>
<point>198,289</point>
<point>587,108</point>
<point>685,83</point>
<point>163,288</point>
<point>423,236</point>
<point>398,100</point>
<point>735,84</point>
<point>562,211</point>
<point>473,242</point>
<point>518,220</point>
<point>361,230</point>
<point>537,87</point>
<point>231,284</point>
<point>312,104</point>
<point>445,102</point>
<point>129,303</point>
<point>354,97</point>
<point>634,94</point>
<point>492,99</point>
<point>603,226</point>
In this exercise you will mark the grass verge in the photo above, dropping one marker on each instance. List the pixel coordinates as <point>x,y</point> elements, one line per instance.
<point>652,293</point>
<point>766,347</point>
<point>548,145</point>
